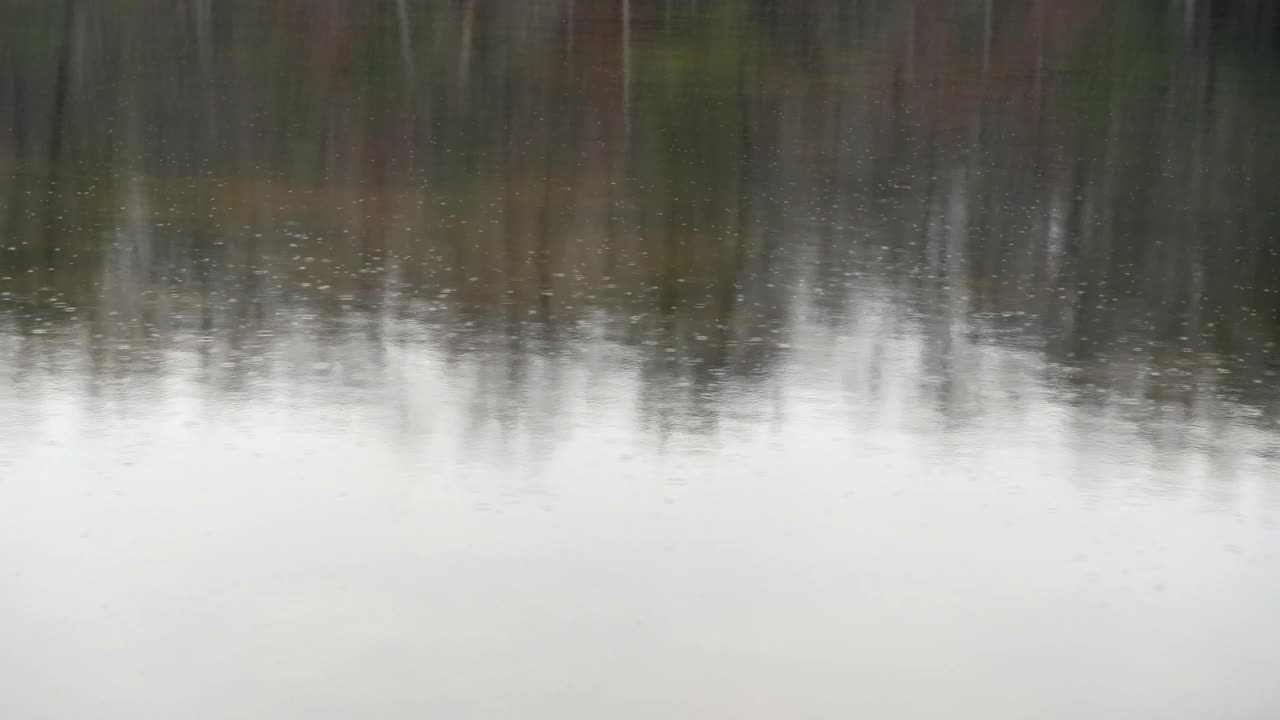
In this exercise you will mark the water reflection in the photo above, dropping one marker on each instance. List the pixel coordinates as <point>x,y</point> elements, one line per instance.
<point>638,359</point>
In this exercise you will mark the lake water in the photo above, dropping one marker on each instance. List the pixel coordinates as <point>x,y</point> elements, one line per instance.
<point>698,359</point>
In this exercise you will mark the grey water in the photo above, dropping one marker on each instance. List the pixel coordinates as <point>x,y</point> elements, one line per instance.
<point>565,359</point>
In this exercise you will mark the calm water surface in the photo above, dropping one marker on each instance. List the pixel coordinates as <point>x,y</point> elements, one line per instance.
<point>728,359</point>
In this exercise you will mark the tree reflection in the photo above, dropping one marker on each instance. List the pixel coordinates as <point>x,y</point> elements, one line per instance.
<point>705,195</point>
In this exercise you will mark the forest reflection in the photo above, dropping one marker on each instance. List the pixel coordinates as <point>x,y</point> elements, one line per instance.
<point>952,217</point>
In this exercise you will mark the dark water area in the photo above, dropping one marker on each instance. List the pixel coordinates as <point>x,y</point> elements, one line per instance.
<point>572,359</point>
